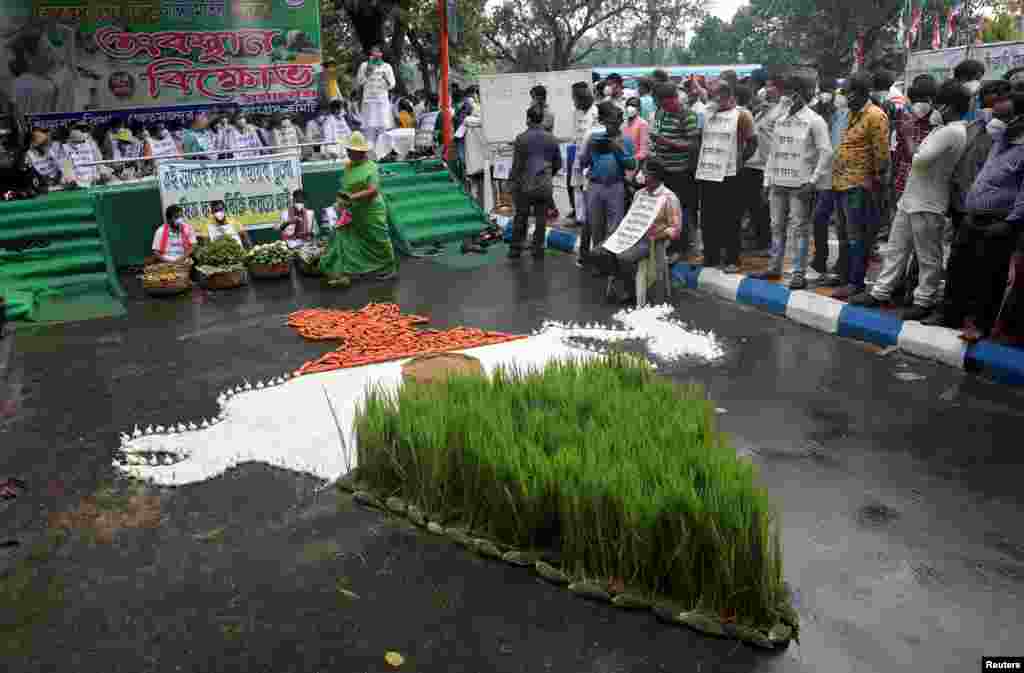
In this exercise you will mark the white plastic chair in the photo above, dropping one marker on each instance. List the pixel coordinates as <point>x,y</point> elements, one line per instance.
<point>650,270</point>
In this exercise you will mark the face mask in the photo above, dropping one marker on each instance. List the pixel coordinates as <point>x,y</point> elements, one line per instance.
<point>299,205</point>
<point>995,127</point>
<point>921,110</point>
<point>286,124</point>
<point>842,103</point>
<point>219,214</point>
<point>179,221</point>
<point>375,61</point>
<point>973,86</point>
<point>240,123</point>
<point>826,98</point>
<point>631,111</point>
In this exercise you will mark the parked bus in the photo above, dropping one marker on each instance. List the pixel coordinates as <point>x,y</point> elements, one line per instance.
<point>631,74</point>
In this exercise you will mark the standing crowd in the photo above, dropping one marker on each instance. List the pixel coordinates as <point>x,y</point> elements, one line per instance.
<point>901,177</point>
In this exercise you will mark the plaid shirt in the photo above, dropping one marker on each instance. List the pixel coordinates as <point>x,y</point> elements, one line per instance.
<point>863,150</point>
<point>922,127</point>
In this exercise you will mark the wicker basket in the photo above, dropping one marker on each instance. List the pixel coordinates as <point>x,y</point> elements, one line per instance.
<point>168,289</point>
<point>225,280</point>
<point>172,286</point>
<point>270,271</point>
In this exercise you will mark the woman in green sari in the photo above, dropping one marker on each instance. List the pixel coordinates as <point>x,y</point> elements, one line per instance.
<point>362,246</point>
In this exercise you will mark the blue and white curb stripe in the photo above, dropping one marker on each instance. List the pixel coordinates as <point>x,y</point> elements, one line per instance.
<point>829,315</point>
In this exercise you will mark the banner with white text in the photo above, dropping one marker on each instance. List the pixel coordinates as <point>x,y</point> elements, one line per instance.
<point>255,191</point>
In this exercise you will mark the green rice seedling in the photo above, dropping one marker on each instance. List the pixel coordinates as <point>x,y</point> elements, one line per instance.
<point>622,473</point>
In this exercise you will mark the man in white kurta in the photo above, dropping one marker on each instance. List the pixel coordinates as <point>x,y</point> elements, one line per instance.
<point>377,79</point>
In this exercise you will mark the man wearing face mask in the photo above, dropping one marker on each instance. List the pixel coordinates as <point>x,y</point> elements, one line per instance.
<point>800,158</point>
<point>861,161</point>
<point>124,146</point>
<point>609,155</point>
<point>82,151</point>
<point>990,242</point>
<point>335,130</point>
<point>766,115</point>
<point>44,158</point>
<point>243,138</point>
<point>174,240</point>
<point>584,120</point>
<point>970,73</point>
<point>614,91</point>
<point>160,144</point>
<point>377,79</point>
<point>913,128</point>
<point>920,218</point>
<point>675,138</point>
<point>980,134</point>
<point>224,227</point>
<point>286,134</point>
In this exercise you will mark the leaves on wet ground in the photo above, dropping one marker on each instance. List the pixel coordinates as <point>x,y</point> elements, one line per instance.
<point>321,550</point>
<point>876,514</point>
<point>101,515</point>
<point>215,536</point>
<point>342,588</point>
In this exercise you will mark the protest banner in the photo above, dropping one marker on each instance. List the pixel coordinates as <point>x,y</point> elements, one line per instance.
<point>999,58</point>
<point>254,191</point>
<point>635,224</point>
<point>148,60</point>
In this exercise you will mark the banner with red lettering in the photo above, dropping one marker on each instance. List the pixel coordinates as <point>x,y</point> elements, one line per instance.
<point>65,59</point>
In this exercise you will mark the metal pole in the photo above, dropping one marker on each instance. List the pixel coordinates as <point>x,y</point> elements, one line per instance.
<point>446,115</point>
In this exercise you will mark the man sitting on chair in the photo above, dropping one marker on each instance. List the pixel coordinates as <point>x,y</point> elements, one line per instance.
<point>668,224</point>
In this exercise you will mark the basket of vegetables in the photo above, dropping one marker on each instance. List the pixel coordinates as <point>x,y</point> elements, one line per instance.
<point>273,260</point>
<point>221,264</point>
<point>308,258</point>
<point>160,280</point>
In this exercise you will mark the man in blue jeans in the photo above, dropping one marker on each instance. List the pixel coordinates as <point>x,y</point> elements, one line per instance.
<point>608,155</point>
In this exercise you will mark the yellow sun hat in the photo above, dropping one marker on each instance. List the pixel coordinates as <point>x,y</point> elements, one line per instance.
<point>357,143</point>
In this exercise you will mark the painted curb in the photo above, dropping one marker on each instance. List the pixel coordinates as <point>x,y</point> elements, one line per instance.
<point>1002,363</point>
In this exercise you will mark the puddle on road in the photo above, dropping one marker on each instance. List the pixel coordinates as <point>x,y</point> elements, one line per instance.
<point>876,515</point>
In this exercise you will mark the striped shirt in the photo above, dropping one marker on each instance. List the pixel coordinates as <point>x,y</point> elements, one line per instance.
<point>681,127</point>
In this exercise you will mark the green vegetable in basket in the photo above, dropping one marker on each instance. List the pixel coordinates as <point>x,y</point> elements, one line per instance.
<point>223,252</point>
<point>212,270</point>
<point>270,254</point>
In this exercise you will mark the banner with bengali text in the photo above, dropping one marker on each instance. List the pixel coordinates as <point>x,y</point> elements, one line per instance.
<point>157,59</point>
<point>255,191</point>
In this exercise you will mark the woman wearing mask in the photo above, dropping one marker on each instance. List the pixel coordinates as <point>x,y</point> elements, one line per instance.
<point>225,227</point>
<point>638,130</point>
<point>174,239</point>
<point>361,246</point>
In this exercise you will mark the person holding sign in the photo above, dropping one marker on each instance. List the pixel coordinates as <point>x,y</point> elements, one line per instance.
<point>728,141</point>
<point>376,79</point>
<point>801,155</point>
<point>656,215</point>
<point>608,155</point>
<point>361,246</point>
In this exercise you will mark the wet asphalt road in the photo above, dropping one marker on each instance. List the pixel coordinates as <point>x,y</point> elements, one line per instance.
<point>900,500</point>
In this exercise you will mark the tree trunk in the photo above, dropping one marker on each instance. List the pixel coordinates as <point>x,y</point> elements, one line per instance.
<point>398,31</point>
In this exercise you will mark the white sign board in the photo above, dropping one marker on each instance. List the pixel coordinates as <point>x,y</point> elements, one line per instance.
<point>998,59</point>
<point>635,224</point>
<point>504,100</point>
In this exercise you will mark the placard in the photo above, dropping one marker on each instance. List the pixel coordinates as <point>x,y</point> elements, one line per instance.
<point>718,149</point>
<point>254,191</point>
<point>635,224</point>
<point>504,100</point>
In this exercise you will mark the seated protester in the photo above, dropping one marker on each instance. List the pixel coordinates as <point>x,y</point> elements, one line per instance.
<point>314,127</point>
<point>667,225</point>
<point>979,144</point>
<point>406,116</point>
<point>81,150</point>
<point>44,158</point>
<point>223,226</point>
<point>197,140</point>
<point>174,239</point>
<point>125,146</point>
<point>244,141</point>
<point>160,144</point>
<point>297,226</point>
<point>334,130</point>
<point>286,135</point>
<point>994,228</point>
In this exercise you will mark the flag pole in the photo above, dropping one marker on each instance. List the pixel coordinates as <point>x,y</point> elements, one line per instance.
<point>445,98</point>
